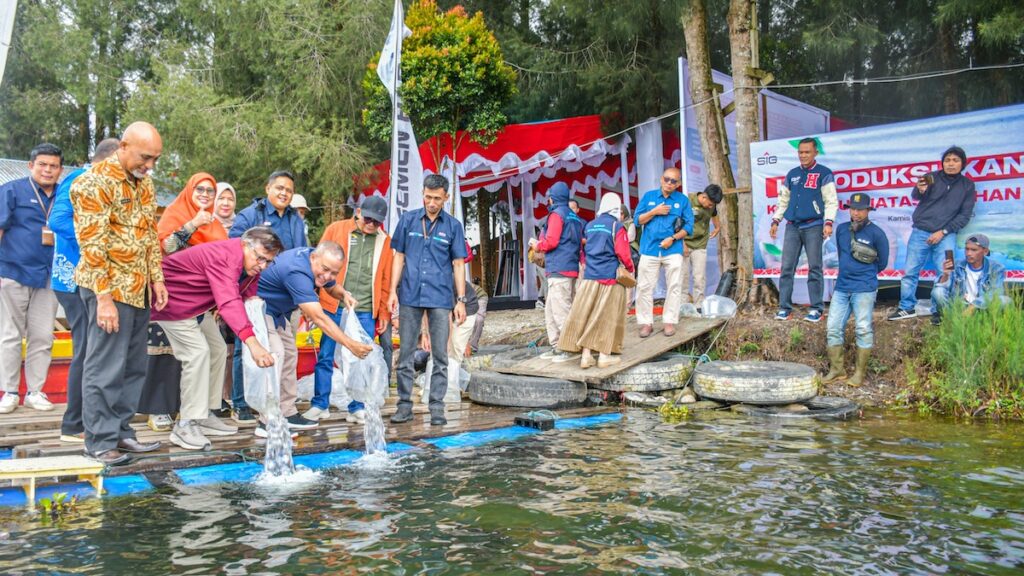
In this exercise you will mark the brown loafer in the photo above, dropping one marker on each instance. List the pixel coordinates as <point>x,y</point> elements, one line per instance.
<point>645,330</point>
<point>134,446</point>
<point>670,329</point>
<point>112,457</point>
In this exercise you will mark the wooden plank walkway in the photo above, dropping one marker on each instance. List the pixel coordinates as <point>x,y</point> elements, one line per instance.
<point>32,434</point>
<point>635,350</point>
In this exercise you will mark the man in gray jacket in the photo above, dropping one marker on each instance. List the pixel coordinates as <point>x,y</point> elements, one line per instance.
<point>945,205</point>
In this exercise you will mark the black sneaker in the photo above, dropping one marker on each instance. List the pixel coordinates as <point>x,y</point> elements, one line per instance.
<point>298,422</point>
<point>936,320</point>
<point>243,416</point>
<point>403,414</point>
<point>438,420</point>
<point>901,314</point>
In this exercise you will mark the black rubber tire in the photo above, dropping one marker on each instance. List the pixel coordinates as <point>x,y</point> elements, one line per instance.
<point>496,389</point>
<point>765,383</point>
<point>657,376</point>
<point>516,355</point>
<point>818,408</point>
<point>492,349</point>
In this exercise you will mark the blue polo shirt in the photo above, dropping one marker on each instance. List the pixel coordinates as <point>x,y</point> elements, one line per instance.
<point>429,247</point>
<point>660,227</point>
<point>288,282</point>
<point>290,227</point>
<point>23,258</point>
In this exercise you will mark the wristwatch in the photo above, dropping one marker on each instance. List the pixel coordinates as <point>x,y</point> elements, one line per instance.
<point>462,299</point>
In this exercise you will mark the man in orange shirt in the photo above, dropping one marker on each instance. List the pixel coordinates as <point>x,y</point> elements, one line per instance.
<point>366,274</point>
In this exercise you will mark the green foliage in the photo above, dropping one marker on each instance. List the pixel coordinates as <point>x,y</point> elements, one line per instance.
<point>453,77</point>
<point>58,507</point>
<point>750,348</point>
<point>796,338</point>
<point>973,363</point>
<point>672,412</point>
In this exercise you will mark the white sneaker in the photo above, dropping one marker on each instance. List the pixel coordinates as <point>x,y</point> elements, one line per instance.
<point>38,401</point>
<point>357,417</point>
<point>214,426</point>
<point>562,357</point>
<point>261,431</point>
<point>188,435</point>
<point>9,403</point>
<point>315,413</point>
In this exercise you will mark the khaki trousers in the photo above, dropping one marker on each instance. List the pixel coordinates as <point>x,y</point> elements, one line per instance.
<point>201,350</point>
<point>557,306</point>
<point>286,359</point>
<point>697,262</point>
<point>25,313</point>
<point>647,279</point>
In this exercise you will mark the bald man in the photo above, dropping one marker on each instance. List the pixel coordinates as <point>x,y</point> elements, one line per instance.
<point>667,220</point>
<point>119,277</point>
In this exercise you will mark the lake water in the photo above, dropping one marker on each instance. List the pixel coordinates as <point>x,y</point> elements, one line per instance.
<point>717,494</point>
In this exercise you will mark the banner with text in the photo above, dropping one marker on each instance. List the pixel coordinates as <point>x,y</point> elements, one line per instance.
<point>885,162</point>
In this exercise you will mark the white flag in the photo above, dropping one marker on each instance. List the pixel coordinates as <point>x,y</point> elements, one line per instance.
<point>7,12</point>
<point>406,191</point>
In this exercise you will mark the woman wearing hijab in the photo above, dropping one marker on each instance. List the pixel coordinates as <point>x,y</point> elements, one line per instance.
<point>597,320</point>
<point>187,221</point>
<point>224,205</point>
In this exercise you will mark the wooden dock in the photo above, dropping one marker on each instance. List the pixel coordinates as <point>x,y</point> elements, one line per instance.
<point>32,434</point>
<point>635,351</point>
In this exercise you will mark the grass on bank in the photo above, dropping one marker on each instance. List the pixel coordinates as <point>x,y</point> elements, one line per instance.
<point>973,365</point>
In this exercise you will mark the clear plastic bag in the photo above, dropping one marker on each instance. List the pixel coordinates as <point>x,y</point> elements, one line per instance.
<point>262,387</point>
<point>718,307</point>
<point>366,380</point>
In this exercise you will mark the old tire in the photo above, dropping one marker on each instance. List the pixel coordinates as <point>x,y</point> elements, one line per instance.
<point>819,408</point>
<point>514,356</point>
<point>755,382</point>
<point>496,389</point>
<point>655,376</point>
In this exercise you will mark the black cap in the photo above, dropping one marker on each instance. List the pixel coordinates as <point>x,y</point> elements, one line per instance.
<point>860,201</point>
<point>374,208</point>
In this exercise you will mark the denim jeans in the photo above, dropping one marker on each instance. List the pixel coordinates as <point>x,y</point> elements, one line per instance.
<point>325,361</point>
<point>862,304</point>
<point>410,320</point>
<point>810,241</point>
<point>919,255</point>
<point>237,377</point>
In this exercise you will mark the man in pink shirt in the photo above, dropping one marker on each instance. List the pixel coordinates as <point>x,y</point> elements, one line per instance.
<point>215,276</point>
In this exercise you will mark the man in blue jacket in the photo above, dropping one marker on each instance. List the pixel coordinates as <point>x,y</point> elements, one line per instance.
<point>66,254</point>
<point>977,280</point>
<point>808,202</point>
<point>560,243</point>
<point>667,219</point>
<point>863,253</point>
<point>945,204</point>
<point>275,211</point>
<point>27,304</point>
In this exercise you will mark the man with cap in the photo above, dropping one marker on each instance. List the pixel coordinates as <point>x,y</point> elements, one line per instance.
<point>366,275</point>
<point>695,247</point>
<point>945,205</point>
<point>863,253</point>
<point>977,279</point>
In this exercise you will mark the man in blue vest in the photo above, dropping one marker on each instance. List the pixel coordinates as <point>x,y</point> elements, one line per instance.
<point>560,243</point>
<point>27,303</point>
<point>667,220</point>
<point>808,202</point>
<point>428,275</point>
<point>863,253</point>
<point>275,211</point>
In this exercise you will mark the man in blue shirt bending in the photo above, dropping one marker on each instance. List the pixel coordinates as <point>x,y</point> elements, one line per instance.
<point>863,253</point>
<point>808,202</point>
<point>427,275</point>
<point>28,306</point>
<point>667,220</point>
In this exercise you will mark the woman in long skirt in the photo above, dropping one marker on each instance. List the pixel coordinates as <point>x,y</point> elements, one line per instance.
<point>597,320</point>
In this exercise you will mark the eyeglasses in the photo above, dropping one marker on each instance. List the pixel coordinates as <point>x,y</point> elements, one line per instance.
<point>260,259</point>
<point>205,191</point>
<point>372,222</point>
<point>670,180</point>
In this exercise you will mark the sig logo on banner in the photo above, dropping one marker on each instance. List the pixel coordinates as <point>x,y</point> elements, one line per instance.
<point>767,159</point>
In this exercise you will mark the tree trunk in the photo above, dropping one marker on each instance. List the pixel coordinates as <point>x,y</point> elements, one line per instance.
<point>746,96</point>
<point>709,112</point>
<point>947,53</point>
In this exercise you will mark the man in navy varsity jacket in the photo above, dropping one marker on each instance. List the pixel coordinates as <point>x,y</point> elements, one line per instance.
<point>560,242</point>
<point>856,288</point>
<point>808,202</point>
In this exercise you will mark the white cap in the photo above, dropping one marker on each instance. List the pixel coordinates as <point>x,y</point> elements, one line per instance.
<point>299,201</point>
